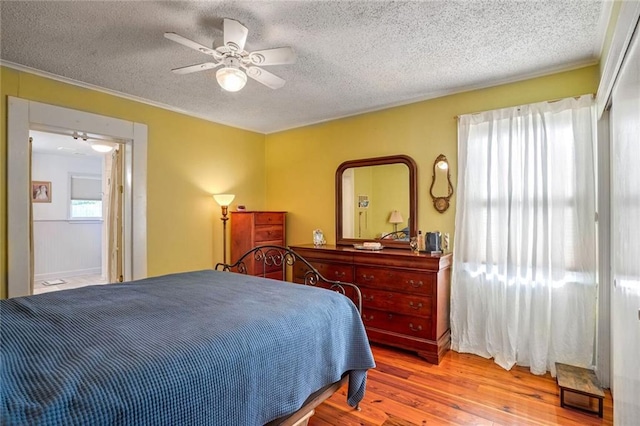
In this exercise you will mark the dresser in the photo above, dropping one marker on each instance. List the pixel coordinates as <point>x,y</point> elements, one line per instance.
<point>256,228</point>
<point>405,296</point>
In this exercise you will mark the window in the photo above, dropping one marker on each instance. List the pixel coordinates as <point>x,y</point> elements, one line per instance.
<point>85,201</point>
<point>533,186</point>
<point>524,273</point>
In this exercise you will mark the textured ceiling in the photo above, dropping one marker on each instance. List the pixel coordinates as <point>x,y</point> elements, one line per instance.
<point>353,56</point>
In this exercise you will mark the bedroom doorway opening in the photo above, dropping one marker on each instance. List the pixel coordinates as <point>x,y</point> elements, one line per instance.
<point>77,222</point>
<point>22,117</point>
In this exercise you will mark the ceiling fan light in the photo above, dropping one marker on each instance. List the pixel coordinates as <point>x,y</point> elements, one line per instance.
<point>231,79</point>
<point>99,147</point>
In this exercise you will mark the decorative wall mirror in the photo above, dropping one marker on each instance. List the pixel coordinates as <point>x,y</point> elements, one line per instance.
<point>441,188</point>
<point>372,197</point>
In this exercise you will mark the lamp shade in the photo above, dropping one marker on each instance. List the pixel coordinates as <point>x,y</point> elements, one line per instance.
<point>231,79</point>
<point>395,217</point>
<point>101,147</point>
<point>224,199</point>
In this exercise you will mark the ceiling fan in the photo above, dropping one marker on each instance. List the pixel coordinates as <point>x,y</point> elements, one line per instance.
<point>234,59</point>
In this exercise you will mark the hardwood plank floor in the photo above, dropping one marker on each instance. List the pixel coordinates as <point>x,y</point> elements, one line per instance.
<point>464,389</point>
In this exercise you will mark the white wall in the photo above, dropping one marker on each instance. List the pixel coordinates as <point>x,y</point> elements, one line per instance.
<point>625,245</point>
<point>63,248</point>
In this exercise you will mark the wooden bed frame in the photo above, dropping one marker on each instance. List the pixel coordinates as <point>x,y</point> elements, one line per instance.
<point>268,258</point>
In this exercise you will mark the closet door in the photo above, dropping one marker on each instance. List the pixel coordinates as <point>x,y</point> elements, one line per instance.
<point>625,238</point>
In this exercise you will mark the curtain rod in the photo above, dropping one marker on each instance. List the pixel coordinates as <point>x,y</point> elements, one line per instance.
<point>455,117</point>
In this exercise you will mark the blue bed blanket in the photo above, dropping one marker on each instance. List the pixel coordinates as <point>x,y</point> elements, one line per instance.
<point>196,348</point>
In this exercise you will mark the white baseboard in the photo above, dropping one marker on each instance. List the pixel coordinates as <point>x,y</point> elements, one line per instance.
<point>67,274</point>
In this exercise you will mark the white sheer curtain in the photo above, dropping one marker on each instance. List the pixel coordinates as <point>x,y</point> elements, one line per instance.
<point>524,270</point>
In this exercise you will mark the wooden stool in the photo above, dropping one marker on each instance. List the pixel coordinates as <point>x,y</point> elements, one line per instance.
<point>581,381</point>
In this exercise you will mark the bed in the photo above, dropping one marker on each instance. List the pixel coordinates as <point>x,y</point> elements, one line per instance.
<point>197,348</point>
<point>400,235</point>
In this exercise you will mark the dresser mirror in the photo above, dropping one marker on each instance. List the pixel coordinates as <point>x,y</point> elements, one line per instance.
<point>376,200</point>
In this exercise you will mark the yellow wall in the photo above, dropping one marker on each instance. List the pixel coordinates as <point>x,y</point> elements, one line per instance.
<point>301,163</point>
<point>188,160</point>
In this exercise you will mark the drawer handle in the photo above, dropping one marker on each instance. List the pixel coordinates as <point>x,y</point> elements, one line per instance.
<point>414,284</point>
<point>418,328</point>
<point>365,318</point>
<point>367,298</point>
<point>368,277</point>
<point>416,307</point>
<point>339,274</point>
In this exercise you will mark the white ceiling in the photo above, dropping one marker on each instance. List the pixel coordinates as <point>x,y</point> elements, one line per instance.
<point>353,56</point>
<point>63,144</point>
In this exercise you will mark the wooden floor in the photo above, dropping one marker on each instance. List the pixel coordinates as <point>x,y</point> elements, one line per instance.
<point>463,389</point>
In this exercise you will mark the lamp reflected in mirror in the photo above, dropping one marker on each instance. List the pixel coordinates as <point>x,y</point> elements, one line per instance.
<point>441,188</point>
<point>395,218</point>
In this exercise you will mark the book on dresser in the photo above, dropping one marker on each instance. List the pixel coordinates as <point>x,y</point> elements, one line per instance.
<point>405,296</point>
<point>256,228</point>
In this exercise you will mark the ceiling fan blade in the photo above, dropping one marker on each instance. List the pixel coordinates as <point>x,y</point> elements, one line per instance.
<point>235,35</point>
<point>190,43</point>
<point>277,56</point>
<point>195,68</point>
<point>265,77</point>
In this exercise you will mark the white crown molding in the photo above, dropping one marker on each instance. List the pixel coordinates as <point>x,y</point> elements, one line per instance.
<point>73,82</point>
<point>602,26</point>
<point>628,18</point>
<point>442,93</point>
<point>429,96</point>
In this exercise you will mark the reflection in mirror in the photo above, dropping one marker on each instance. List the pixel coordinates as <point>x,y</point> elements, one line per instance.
<point>375,199</point>
<point>441,188</point>
<point>369,195</point>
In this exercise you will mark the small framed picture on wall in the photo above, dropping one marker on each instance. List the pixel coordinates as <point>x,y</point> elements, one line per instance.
<point>40,191</point>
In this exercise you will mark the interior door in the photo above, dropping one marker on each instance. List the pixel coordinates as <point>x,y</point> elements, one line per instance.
<point>625,237</point>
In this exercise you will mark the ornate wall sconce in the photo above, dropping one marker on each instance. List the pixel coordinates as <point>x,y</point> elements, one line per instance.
<point>441,190</point>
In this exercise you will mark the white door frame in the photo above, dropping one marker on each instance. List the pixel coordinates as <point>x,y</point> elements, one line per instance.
<point>23,115</point>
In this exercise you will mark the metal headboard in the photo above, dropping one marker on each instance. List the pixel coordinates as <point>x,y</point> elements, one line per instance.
<point>270,256</point>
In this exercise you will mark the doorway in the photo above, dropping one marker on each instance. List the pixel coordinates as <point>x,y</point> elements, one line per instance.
<point>23,116</point>
<point>73,239</point>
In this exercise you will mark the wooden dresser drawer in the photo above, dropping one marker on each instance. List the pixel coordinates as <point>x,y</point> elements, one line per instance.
<point>258,265</point>
<point>330,271</point>
<point>257,228</point>
<point>267,218</point>
<point>268,233</point>
<point>397,323</point>
<point>400,303</point>
<point>396,279</point>
<point>335,271</point>
<point>405,296</point>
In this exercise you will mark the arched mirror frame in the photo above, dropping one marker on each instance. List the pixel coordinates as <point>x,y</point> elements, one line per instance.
<point>441,204</point>
<point>413,197</point>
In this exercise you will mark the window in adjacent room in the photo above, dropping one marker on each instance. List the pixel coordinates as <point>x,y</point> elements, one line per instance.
<point>85,201</point>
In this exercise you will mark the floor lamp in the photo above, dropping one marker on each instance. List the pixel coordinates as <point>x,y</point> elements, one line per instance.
<point>224,200</point>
